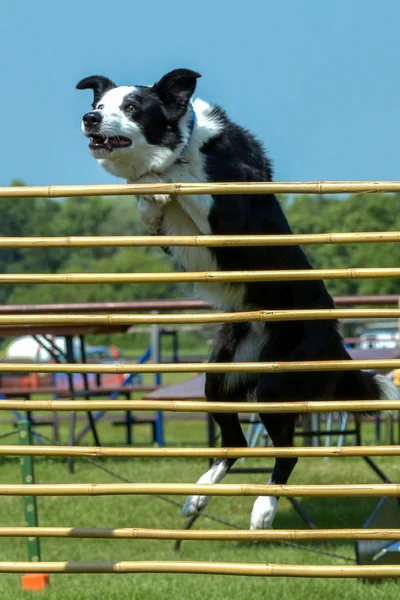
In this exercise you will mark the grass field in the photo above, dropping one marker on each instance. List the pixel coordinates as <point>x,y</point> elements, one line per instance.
<point>125,511</point>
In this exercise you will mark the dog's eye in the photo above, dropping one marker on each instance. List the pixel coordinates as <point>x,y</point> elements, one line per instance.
<point>130,108</point>
<point>100,107</point>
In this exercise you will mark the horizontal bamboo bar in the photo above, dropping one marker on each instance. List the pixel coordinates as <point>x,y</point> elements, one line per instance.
<point>267,452</point>
<point>276,535</point>
<point>201,277</point>
<point>178,189</point>
<point>206,568</point>
<point>190,406</point>
<point>238,367</point>
<point>210,241</point>
<point>224,317</point>
<point>369,490</point>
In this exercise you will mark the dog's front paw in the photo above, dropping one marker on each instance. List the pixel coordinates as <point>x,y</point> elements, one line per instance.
<point>151,214</point>
<point>160,199</point>
<point>263,513</point>
<point>194,505</point>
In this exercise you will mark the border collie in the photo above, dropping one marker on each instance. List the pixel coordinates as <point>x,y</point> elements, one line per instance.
<point>157,134</point>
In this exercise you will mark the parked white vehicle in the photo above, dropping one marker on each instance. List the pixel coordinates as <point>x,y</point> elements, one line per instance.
<point>379,339</point>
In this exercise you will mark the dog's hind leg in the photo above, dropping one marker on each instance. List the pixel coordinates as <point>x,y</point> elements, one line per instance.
<point>281,429</point>
<point>231,436</point>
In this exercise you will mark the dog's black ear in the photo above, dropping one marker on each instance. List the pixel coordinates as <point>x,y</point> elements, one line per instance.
<point>99,84</point>
<point>175,90</point>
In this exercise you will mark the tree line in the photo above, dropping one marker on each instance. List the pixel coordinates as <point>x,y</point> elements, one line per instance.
<point>356,212</point>
<point>119,216</point>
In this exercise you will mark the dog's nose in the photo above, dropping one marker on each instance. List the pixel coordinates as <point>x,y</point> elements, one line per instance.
<point>91,118</point>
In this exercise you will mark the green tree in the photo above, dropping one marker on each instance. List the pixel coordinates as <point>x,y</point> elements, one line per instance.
<point>367,212</point>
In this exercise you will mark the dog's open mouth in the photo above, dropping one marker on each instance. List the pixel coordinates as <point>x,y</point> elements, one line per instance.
<point>100,142</point>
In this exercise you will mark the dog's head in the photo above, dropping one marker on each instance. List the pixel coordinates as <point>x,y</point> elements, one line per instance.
<point>131,124</point>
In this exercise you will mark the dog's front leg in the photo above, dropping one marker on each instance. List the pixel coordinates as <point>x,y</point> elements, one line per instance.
<point>152,178</point>
<point>151,206</point>
<point>198,207</point>
<point>151,214</point>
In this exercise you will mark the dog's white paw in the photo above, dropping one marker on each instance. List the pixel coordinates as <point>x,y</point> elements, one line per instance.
<point>160,199</point>
<point>263,513</point>
<point>194,505</point>
<point>151,214</point>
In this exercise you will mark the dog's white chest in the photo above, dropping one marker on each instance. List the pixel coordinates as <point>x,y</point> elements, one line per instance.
<point>176,221</point>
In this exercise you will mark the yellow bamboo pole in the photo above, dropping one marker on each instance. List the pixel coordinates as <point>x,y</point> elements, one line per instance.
<point>200,277</point>
<point>268,452</point>
<point>206,568</point>
<point>238,367</point>
<point>104,241</point>
<point>178,189</point>
<point>184,318</point>
<point>276,535</point>
<point>200,407</point>
<point>369,490</point>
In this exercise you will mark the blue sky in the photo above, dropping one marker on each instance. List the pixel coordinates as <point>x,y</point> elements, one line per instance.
<point>318,82</point>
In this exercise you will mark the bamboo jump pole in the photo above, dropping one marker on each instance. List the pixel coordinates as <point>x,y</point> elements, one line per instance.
<point>176,318</point>
<point>201,277</point>
<point>206,568</point>
<point>369,490</point>
<point>238,367</point>
<point>105,241</point>
<point>267,452</point>
<point>180,189</point>
<point>190,406</point>
<point>275,535</point>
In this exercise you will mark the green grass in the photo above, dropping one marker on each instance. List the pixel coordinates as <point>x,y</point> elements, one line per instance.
<point>125,511</point>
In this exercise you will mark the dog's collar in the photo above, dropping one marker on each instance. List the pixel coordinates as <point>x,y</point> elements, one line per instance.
<point>191,127</point>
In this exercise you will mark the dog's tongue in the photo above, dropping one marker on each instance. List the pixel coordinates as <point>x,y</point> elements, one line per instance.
<point>119,142</point>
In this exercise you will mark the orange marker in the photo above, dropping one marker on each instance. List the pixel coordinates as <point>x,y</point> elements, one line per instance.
<point>35,581</point>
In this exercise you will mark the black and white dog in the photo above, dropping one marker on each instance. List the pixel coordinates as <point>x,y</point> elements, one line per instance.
<point>157,134</point>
